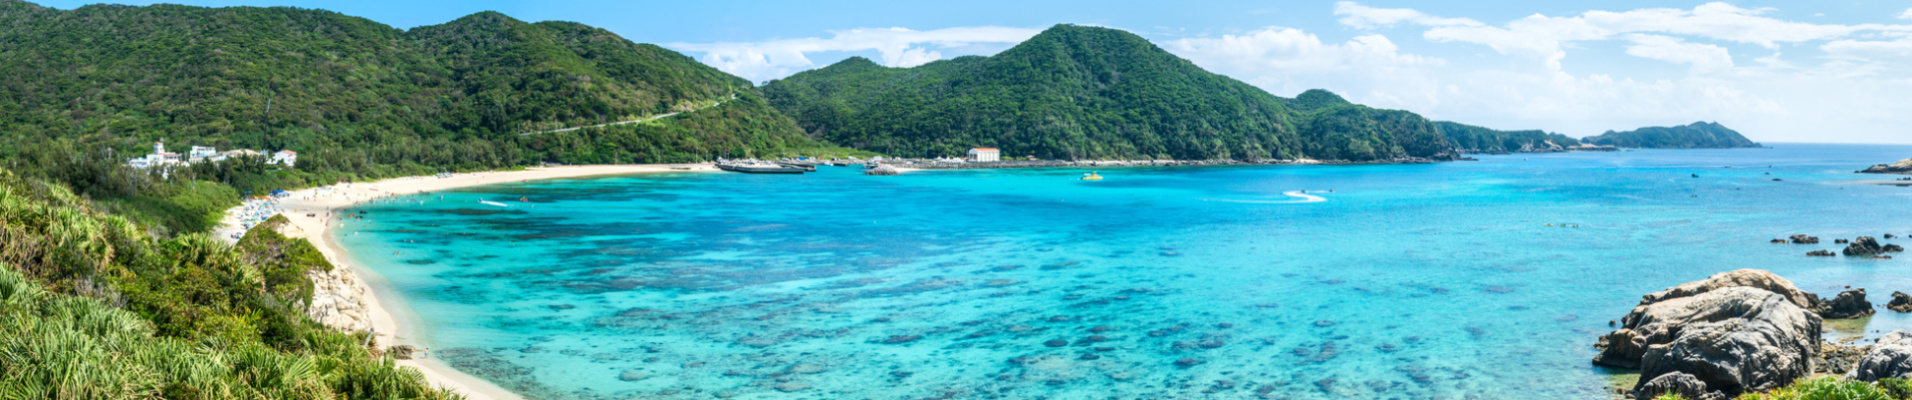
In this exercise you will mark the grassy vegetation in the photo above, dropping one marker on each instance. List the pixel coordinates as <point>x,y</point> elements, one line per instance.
<point>1830,388</point>
<point>92,306</point>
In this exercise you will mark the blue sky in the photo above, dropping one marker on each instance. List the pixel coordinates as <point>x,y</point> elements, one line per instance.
<point>1777,71</point>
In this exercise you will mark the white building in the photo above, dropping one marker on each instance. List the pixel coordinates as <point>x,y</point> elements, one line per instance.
<point>284,157</point>
<point>201,152</point>
<point>159,158</point>
<point>985,154</point>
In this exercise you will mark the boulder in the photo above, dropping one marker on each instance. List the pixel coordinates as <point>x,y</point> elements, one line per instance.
<point>1838,359</point>
<point>1890,358</point>
<point>1820,253</point>
<point>1779,241</point>
<point>1804,239</point>
<point>1848,304</point>
<point>882,170</point>
<point>402,352</point>
<point>1685,385</point>
<point>1864,246</point>
<point>1735,332</point>
<point>1901,302</point>
<point>1736,340</point>
<point>1752,278</point>
<point>1840,241</point>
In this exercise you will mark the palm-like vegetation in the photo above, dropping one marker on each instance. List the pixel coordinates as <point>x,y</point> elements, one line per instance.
<point>93,307</point>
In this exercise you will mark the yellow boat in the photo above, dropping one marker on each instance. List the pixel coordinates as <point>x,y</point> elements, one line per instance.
<point>1091,177</point>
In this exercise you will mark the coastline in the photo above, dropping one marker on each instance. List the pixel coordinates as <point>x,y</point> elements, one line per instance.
<point>382,306</point>
<point>908,165</point>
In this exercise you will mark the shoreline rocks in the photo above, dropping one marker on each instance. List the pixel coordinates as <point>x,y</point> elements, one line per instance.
<point>1901,302</point>
<point>1734,332</point>
<point>1848,304</point>
<point>1901,167</point>
<point>1890,358</point>
<point>1867,246</point>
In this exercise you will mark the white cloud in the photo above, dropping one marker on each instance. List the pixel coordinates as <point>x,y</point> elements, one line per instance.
<point>1907,14</point>
<point>1278,50</point>
<point>1364,17</point>
<point>1703,57</point>
<point>897,47</point>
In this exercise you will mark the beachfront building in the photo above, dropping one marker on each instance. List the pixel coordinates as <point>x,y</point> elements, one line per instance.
<point>985,154</point>
<point>284,157</point>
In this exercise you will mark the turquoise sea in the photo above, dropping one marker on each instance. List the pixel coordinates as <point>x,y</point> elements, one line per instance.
<point>1436,281</point>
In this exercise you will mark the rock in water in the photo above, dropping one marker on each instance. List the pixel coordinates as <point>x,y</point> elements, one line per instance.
<point>1735,332</point>
<point>1901,302</point>
<point>1891,358</point>
<point>1804,239</point>
<point>1849,304</point>
<point>1901,167</point>
<point>1680,383</point>
<point>632,375</point>
<point>882,170</point>
<point>1864,246</point>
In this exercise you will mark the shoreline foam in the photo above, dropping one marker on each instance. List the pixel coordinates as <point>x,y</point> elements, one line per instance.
<point>379,300</point>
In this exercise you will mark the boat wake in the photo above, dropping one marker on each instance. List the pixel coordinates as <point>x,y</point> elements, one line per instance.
<point>1303,196</point>
<point>493,203</point>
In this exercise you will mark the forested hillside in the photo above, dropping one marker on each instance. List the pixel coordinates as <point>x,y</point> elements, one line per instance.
<point>88,88</point>
<point>1475,139</point>
<point>1698,135</point>
<point>1086,93</point>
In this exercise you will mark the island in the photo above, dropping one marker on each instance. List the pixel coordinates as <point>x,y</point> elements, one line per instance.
<point>1697,135</point>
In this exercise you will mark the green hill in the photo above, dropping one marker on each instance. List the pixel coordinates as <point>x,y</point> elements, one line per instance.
<point>1698,135</point>
<point>1087,93</point>
<point>358,98</point>
<point>1475,139</point>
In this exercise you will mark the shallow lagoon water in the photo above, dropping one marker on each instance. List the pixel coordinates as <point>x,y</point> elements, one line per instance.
<point>1437,281</point>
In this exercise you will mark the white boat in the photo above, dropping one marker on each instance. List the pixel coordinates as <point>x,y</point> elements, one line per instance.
<point>494,203</point>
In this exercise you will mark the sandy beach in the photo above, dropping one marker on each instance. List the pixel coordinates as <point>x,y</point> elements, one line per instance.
<point>387,313</point>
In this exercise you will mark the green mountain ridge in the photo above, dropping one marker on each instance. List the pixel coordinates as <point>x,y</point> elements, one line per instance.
<point>359,98</point>
<point>1075,92</point>
<point>1476,139</point>
<point>1698,135</point>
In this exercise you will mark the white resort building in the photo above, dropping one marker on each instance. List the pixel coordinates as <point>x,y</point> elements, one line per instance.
<point>985,154</point>
<point>284,157</point>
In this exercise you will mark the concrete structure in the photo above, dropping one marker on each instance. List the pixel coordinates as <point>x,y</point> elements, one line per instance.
<point>985,154</point>
<point>284,157</point>
<point>159,158</point>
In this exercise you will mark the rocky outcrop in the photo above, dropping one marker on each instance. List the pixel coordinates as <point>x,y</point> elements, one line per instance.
<point>1848,304</point>
<point>337,295</point>
<point>1890,358</point>
<point>1901,167</point>
<point>1746,277</point>
<point>1821,253</point>
<point>882,170</point>
<point>1867,246</point>
<point>1734,332</point>
<point>1901,302</point>
<point>1805,239</point>
<point>1683,384</point>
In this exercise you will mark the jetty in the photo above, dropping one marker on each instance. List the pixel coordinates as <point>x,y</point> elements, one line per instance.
<point>763,168</point>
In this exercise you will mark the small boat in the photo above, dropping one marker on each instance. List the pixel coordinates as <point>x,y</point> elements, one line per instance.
<point>494,203</point>
<point>1091,177</point>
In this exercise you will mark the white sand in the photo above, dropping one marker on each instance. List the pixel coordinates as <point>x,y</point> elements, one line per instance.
<point>387,309</point>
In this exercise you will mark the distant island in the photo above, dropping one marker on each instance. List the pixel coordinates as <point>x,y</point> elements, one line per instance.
<point>1698,135</point>
<point>1079,92</point>
<point>1480,140</point>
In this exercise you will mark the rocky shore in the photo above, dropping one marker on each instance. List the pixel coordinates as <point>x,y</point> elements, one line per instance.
<point>1901,167</point>
<point>1744,331</point>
